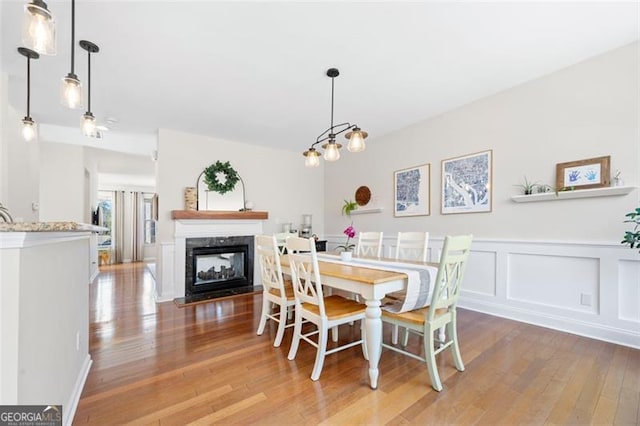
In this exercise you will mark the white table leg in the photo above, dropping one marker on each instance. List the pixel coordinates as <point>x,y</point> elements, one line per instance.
<point>373,330</point>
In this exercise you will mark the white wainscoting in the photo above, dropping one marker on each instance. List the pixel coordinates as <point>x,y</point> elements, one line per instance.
<point>590,289</point>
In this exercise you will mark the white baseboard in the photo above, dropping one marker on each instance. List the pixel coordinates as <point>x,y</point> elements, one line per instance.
<point>158,299</point>
<point>568,325</point>
<point>69,410</point>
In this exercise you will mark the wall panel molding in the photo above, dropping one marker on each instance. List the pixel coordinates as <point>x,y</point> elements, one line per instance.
<point>585,288</point>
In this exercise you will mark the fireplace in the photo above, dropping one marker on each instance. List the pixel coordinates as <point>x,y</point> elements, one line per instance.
<point>217,266</point>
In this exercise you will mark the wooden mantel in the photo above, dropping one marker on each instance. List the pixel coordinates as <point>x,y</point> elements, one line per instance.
<point>218,215</point>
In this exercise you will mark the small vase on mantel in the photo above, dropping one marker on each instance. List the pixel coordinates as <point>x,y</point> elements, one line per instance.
<point>346,256</point>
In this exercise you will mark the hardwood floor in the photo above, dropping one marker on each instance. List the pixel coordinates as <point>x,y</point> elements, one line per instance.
<point>204,364</point>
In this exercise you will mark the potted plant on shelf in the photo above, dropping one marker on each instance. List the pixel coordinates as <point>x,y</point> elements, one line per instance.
<point>527,187</point>
<point>348,207</point>
<point>632,238</point>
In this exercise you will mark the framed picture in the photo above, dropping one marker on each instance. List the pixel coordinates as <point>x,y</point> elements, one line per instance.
<point>466,183</point>
<point>583,174</point>
<point>412,191</point>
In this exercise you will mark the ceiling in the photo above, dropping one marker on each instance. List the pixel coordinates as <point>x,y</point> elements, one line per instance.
<point>254,72</point>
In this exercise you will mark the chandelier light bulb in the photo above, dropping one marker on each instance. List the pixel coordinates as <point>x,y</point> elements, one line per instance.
<point>39,29</point>
<point>71,93</point>
<point>356,141</point>
<point>88,125</point>
<point>331,152</point>
<point>29,129</point>
<point>312,158</point>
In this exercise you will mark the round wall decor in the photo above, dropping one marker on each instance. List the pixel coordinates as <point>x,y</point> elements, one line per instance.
<point>363,195</point>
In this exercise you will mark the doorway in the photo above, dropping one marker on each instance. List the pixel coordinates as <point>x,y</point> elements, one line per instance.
<point>106,247</point>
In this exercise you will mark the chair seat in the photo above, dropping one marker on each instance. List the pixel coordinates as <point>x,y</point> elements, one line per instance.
<point>416,317</point>
<point>337,307</point>
<point>288,290</point>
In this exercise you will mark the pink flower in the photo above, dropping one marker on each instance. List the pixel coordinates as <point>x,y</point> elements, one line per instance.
<point>350,232</point>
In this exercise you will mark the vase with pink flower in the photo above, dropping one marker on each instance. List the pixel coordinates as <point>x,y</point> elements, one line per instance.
<point>347,248</point>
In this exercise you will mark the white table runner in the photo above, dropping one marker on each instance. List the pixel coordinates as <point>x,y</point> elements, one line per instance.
<point>419,288</point>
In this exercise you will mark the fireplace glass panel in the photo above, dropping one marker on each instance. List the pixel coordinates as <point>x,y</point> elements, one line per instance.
<point>213,268</point>
<point>215,264</point>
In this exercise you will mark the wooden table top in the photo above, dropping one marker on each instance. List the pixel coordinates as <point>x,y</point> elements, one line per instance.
<point>359,273</point>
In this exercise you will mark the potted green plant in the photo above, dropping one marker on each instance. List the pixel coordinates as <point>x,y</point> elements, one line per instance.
<point>348,207</point>
<point>632,238</point>
<point>527,187</point>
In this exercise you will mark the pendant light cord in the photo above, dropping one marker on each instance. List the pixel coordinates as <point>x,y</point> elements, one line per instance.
<point>28,86</point>
<point>332,81</point>
<point>89,83</point>
<point>73,33</point>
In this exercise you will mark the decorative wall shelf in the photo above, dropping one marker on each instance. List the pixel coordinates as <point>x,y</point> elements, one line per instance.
<point>365,211</point>
<point>578,193</point>
<point>218,215</point>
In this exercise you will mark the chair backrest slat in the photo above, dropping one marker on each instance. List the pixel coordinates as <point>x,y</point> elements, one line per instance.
<point>412,246</point>
<point>281,239</point>
<point>269,260</point>
<point>453,261</point>
<point>369,244</point>
<point>303,262</point>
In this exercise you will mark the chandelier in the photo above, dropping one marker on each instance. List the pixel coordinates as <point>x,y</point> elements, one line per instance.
<point>354,134</point>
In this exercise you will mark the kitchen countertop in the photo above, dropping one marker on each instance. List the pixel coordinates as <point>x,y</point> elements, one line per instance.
<point>50,227</point>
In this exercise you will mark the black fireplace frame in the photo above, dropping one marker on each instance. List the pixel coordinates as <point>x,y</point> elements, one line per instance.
<point>218,245</point>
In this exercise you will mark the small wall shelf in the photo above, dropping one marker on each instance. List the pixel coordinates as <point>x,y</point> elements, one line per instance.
<point>365,211</point>
<point>578,193</point>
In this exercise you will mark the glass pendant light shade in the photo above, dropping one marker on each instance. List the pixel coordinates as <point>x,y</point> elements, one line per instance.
<point>331,151</point>
<point>312,158</point>
<point>88,125</point>
<point>39,28</point>
<point>29,129</point>
<point>71,92</point>
<point>356,140</point>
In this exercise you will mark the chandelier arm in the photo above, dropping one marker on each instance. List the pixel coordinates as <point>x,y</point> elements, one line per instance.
<point>349,127</point>
<point>330,131</point>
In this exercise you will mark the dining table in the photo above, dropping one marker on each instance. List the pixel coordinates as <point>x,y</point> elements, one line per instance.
<point>372,283</point>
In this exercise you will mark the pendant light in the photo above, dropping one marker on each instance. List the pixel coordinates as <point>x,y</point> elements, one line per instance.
<point>71,89</point>
<point>88,125</point>
<point>39,28</point>
<point>356,136</point>
<point>29,127</point>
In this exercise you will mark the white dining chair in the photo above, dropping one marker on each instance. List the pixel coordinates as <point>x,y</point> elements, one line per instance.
<point>412,246</point>
<point>277,292</point>
<point>409,246</point>
<point>440,313</point>
<point>326,312</point>
<point>369,244</point>
<point>281,240</point>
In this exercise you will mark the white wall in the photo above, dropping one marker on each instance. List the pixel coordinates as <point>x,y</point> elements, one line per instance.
<point>62,182</point>
<point>22,172</point>
<point>4,172</point>
<point>554,263</point>
<point>588,110</point>
<point>275,180</point>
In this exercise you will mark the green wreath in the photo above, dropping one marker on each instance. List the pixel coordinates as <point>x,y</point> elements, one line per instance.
<point>211,177</point>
